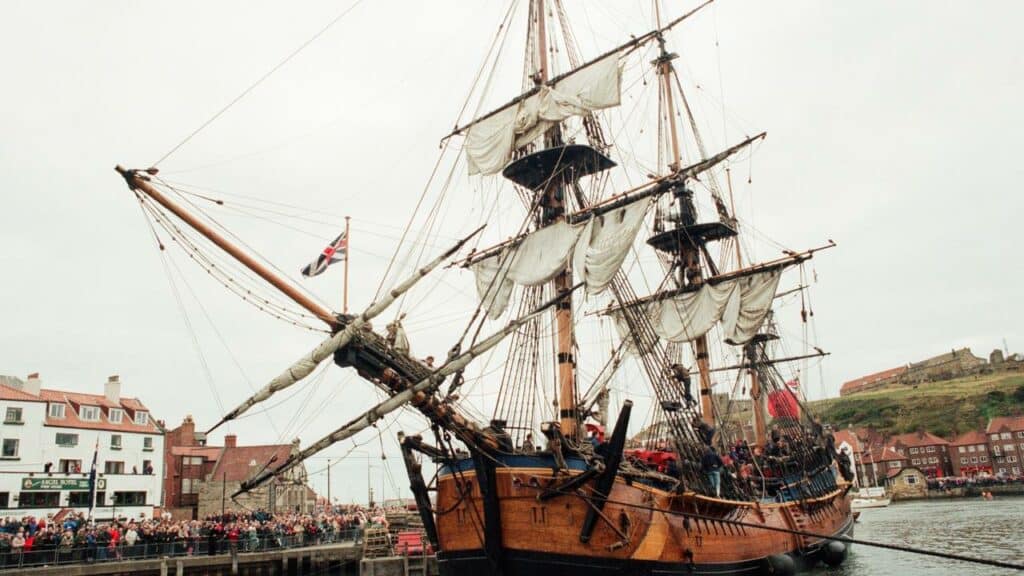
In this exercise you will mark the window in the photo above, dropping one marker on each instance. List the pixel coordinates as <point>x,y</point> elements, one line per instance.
<point>129,498</point>
<point>1022,446</point>
<point>56,411</point>
<point>915,461</point>
<point>1011,459</point>
<point>910,479</point>
<point>974,459</point>
<point>13,416</point>
<point>39,500</point>
<point>142,418</point>
<point>69,466</point>
<point>963,449</point>
<point>190,486</point>
<point>894,464</point>
<point>89,413</point>
<point>5,498</point>
<point>1020,434</point>
<point>115,441</point>
<point>913,450</point>
<point>931,448</point>
<point>982,458</point>
<point>981,447</point>
<point>1016,471</point>
<point>1007,447</point>
<point>147,443</point>
<point>79,499</point>
<point>969,448</point>
<point>996,451</point>
<point>994,436</point>
<point>115,415</point>
<point>192,461</point>
<point>67,440</point>
<point>10,448</point>
<point>1005,436</point>
<point>111,467</point>
<point>963,460</point>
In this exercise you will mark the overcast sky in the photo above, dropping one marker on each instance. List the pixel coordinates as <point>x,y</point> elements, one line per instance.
<point>893,129</point>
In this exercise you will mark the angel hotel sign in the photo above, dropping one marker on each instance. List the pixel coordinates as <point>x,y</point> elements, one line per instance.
<point>61,484</point>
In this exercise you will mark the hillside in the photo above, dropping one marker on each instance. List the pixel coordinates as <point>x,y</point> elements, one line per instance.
<point>945,408</point>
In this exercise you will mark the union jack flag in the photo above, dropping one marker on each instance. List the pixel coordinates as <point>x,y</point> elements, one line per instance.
<point>336,251</point>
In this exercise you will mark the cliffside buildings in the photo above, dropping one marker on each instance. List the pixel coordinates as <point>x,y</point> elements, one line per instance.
<point>952,364</point>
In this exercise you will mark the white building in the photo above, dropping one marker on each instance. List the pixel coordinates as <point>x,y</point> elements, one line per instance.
<point>47,442</point>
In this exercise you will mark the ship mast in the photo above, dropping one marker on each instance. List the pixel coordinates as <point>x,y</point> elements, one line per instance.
<point>553,209</point>
<point>689,252</point>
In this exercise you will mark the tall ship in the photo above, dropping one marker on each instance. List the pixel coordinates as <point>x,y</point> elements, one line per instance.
<point>718,467</point>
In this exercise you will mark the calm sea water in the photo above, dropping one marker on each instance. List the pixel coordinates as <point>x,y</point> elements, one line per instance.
<point>972,527</point>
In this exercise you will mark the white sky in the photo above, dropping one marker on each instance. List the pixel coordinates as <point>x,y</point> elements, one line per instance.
<point>892,128</point>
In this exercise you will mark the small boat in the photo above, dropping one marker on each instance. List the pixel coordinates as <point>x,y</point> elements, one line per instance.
<point>862,503</point>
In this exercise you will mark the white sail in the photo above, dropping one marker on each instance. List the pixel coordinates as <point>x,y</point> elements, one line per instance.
<point>490,142</point>
<point>752,297</point>
<point>605,242</point>
<point>740,304</point>
<point>534,260</point>
<point>601,245</point>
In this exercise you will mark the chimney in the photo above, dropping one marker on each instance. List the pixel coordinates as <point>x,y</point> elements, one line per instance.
<point>112,389</point>
<point>230,441</point>
<point>33,384</point>
<point>188,431</point>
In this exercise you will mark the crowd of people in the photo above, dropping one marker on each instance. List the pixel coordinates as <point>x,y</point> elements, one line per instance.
<point>30,541</point>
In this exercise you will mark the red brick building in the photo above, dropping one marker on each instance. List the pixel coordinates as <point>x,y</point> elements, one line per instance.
<point>199,475</point>
<point>969,454</point>
<point>926,451</point>
<point>1006,444</point>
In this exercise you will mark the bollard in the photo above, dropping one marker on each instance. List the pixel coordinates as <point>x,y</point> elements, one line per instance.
<point>234,561</point>
<point>179,569</point>
<point>163,568</point>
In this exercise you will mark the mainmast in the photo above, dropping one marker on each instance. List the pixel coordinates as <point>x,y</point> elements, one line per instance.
<point>552,205</point>
<point>688,250</point>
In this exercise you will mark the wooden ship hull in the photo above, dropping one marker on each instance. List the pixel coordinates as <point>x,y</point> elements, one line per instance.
<point>643,529</point>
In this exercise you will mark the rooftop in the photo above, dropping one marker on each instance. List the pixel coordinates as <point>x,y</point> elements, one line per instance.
<point>916,439</point>
<point>972,437</point>
<point>1005,424</point>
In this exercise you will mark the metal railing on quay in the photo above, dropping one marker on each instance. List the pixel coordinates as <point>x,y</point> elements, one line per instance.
<point>198,546</point>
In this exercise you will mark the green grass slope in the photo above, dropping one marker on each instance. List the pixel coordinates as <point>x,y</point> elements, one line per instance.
<point>945,408</point>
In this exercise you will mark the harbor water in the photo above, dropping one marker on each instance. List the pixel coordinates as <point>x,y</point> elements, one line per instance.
<point>969,526</point>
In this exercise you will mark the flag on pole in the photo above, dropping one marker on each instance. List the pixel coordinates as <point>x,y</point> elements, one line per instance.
<point>336,251</point>
<point>92,476</point>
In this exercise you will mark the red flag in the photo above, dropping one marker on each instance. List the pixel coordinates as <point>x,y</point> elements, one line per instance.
<point>783,404</point>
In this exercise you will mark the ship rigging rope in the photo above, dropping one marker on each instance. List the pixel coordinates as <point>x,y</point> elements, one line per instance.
<point>259,81</point>
<point>499,41</point>
<point>847,540</point>
<point>247,246</point>
<point>251,294</point>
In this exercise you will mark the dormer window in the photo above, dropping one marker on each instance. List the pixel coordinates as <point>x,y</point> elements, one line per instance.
<point>115,415</point>
<point>89,413</point>
<point>142,418</point>
<point>56,411</point>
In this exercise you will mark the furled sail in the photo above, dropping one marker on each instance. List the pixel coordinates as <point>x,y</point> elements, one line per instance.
<point>601,244</point>
<point>605,242</point>
<point>534,260</point>
<point>739,304</point>
<point>490,141</point>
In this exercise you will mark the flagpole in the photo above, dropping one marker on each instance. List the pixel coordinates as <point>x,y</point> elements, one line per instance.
<point>348,254</point>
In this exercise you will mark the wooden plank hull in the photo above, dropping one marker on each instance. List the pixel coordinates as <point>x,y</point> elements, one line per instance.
<point>641,530</point>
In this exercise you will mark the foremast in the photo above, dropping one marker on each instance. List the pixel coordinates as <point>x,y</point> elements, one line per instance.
<point>552,203</point>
